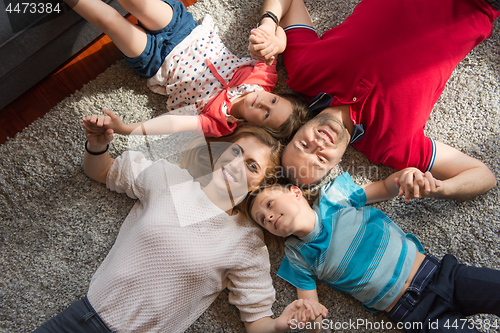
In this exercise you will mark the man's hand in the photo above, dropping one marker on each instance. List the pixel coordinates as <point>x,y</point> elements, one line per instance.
<point>415,184</point>
<point>266,42</point>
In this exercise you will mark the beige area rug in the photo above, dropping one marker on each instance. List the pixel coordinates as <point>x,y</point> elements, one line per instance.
<point>57,225</point>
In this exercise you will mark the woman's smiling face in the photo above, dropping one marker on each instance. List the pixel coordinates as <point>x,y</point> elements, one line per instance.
<point>242,166</point>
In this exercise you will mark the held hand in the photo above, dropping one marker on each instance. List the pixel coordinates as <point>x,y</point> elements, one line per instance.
<point>98,124</point>
<point>309,310</point>
<point>299,312</point>
<point>414,184</point>
<point>97,130</point>
<point>283,322</point>
<point>265,45</point>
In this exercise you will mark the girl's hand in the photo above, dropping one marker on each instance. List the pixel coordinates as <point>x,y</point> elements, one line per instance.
<point>265,43</point>
<point>98,124</point>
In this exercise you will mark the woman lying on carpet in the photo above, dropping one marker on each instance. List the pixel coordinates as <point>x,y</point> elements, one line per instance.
<point>182,243</point>
<point>209,90</point>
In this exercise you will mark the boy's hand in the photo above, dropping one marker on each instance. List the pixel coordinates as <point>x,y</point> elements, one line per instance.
<point>299,312</point>
<point>309,310</point>
<point>415,184</point>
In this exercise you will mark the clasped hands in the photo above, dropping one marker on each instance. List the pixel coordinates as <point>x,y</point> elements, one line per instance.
<point>414,183</point>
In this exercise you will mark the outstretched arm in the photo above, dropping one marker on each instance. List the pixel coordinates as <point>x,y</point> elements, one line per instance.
<point>463,176</point>
<point>95,163</point>
<point>314,311</point>
<point>454,176</point>
<point>164,124</point>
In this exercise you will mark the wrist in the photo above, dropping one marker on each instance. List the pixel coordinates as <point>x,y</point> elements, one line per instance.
<point>96,148</point>
<point>269,18</point>
<point>128,129</point>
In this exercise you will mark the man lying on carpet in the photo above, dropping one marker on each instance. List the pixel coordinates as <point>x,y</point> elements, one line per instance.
<point>373,81</point>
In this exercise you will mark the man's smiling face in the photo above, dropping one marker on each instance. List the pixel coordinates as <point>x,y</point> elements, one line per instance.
<point>315,150</point>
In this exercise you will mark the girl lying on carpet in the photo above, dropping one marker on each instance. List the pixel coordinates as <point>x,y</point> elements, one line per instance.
<point>209,89</point>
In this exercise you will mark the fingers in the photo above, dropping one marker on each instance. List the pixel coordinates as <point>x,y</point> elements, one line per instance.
<point>264,51</point>
<point>317,309</point>
<point>96,121</point>
<point>101,138</point>
<point>110,114</point>
<point>261,46</point>
<point>418,182</point>
<point>96,129</point>
<point>415,184</point>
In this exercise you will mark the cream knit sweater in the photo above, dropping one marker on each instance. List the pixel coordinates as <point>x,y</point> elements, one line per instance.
<point>174,253</point>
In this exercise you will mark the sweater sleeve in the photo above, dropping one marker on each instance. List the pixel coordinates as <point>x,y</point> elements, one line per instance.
<point>250,284</point>
<point>123,174</point>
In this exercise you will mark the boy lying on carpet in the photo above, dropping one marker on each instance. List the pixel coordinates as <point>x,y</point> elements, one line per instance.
<point>358,250</point>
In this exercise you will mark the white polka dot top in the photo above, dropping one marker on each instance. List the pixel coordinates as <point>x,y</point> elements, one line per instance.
<point>186,79</point>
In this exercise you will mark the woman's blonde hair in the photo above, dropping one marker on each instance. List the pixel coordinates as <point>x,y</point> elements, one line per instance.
<point>202,153</point>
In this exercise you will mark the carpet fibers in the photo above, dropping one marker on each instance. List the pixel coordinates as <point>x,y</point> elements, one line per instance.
<point>57,225</point>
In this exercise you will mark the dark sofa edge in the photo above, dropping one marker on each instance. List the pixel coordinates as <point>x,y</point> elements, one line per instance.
<point>48,58</point>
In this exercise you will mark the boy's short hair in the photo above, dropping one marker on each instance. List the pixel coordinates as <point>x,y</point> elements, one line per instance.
<point>272,241</point>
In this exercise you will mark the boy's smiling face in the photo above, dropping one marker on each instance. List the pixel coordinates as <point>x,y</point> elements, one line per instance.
<point>281,211</point>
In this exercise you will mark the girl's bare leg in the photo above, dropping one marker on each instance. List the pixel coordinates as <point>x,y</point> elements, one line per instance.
<point>128,37</point>
<point>153,14</point>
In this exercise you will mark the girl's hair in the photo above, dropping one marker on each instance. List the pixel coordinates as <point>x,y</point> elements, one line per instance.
<point>300,107</point>
<point>202,153</point>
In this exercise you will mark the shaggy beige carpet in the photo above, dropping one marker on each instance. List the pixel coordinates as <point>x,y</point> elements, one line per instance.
<point>57,225</point>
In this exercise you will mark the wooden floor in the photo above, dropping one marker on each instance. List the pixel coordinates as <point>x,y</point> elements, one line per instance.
<point>82,68</point>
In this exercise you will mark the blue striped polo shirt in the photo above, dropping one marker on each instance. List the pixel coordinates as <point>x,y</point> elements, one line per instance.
<point>353,249</point>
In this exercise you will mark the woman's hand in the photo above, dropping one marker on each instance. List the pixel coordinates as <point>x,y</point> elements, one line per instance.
<point>97,125</point>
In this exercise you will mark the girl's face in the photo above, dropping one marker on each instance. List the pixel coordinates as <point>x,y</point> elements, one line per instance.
<point>265,109</point>
<point>242,166</point>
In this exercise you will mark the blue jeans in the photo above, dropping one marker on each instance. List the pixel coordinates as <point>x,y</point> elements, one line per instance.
<point>161,42</point>
<point>79,317</point>
<point>454,292</point>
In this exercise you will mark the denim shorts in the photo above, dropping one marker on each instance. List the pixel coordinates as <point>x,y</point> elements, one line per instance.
<point>454,292</point>
<point>161,42</point>
<point>79,317</point>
